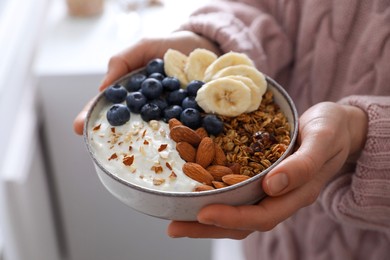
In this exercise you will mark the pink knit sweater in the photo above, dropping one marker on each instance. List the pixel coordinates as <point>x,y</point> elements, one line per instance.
<point>322,50</point>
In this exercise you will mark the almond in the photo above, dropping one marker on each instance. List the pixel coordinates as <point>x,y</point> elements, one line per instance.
<point>202,132</point>
<point>217,171</point>
<point>205,153</point>
<point>186,151</point>
<point>232,179</point>
<point>204,188</point>
<point>173,122</point>
<point>219,184</point>
<point>197,173</point>
<point>220,157</point>
<point>182,133</point>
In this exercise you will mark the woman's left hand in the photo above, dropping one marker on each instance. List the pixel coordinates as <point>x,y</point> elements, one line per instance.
<point>328,134</point>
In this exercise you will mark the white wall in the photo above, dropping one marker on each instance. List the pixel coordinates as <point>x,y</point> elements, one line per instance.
<point>24,201</point>
<point>20,24</point>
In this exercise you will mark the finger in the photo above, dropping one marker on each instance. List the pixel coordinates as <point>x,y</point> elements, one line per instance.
<point>197,230</point>
<point>117,67</point>
<point>316,148</point>
<point>262,217</point>
<point>78,123</point>
<point>126,61</point>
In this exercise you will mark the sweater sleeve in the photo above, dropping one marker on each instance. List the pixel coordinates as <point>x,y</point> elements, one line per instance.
<point>264,30</point>
<point>361,196</point>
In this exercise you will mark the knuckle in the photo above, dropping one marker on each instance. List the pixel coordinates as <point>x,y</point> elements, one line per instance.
<point>268,225</point>
<point>115,60</point>
<point>308,167</point>
<point>146,40</point>
<point>241,235</point>
<point>311,195</point>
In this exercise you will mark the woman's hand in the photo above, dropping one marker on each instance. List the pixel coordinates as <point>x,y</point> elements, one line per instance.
<point>328,134</point>
<point>139,54</point>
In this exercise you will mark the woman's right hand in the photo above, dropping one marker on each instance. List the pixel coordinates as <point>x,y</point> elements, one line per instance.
<point>137,56</point>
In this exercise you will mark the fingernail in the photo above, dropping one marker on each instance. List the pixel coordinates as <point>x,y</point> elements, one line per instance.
<point>206,221</point>
<point>173,236</point>
<point>277,183</point>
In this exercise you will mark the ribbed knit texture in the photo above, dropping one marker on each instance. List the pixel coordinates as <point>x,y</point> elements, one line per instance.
<point>322,51</point>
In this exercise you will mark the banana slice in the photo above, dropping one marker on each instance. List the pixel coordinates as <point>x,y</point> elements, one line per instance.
<point>197,63</point>
<point>247,71</point>
<point>174,63</point>
<point>256,95</point>
<point>224,96</point>
<point>226,60</point>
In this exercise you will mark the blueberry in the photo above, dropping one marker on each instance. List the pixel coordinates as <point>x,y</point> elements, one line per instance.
<point>176,97</point>
<point>118,114</point>
<point>170,83</point>
<point>191,118</point>
<point>155,65</point>
<point>151,88</point>
<point>193,87</point>
<point>157,75</point>
<point>160,102</point>
<point>212,124</point>
<point>115,93</point>
<point>135,101</point>
<point>135,81</point>
<point>173,111</point>
<point>150,112</point>
<point>190,102</point>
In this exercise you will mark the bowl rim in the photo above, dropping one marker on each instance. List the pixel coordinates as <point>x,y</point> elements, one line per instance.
<point>128,184</point>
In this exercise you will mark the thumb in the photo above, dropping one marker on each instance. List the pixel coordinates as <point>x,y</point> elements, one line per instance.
<point>301,166</point>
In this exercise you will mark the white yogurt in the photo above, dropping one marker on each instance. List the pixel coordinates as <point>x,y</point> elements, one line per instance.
<point>139,152</point>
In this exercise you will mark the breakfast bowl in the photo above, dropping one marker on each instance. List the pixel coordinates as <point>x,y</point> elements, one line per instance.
<point>173,196</point>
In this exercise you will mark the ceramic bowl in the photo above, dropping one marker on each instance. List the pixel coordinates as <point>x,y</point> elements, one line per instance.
<point>184,206</point>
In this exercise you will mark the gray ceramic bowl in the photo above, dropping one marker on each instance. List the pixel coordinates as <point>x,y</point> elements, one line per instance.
<point>185,205</point>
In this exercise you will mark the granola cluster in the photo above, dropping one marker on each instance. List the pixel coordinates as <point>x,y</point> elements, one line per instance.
<point>254,141</point>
